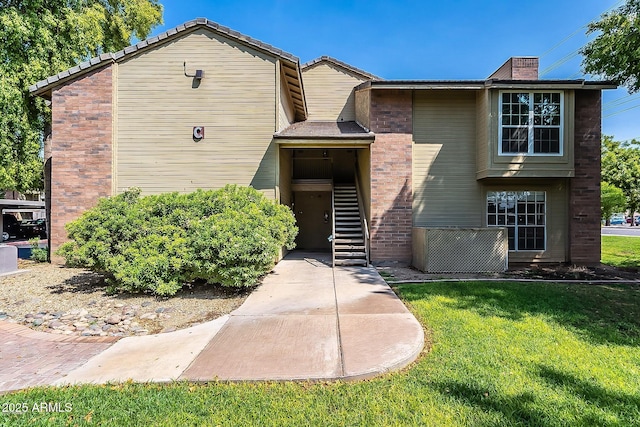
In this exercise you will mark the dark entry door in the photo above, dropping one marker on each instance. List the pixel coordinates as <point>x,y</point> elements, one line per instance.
<point>313,214</point>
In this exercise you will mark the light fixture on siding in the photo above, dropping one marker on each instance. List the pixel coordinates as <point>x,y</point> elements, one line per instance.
<point>197,76</point>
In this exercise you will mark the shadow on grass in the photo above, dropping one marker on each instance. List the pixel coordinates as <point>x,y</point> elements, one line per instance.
<point>602,314</point>
<point>591,393</point>
<point>604,408</point>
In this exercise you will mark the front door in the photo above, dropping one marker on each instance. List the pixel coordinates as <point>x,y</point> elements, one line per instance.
<point>313,215</point>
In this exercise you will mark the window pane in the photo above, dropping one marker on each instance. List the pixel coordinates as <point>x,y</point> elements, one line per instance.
<point>523,214</point>
<point>536,115</point>
<point>546,140</point>
<point>515,140</point>
<point>512,240</point>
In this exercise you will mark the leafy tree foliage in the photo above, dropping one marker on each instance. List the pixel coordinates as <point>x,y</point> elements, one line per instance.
<point>615,53</point>
<point>612,200</point>
<point>621,168</point>
<point>158,243</point>
<point>39,38</point>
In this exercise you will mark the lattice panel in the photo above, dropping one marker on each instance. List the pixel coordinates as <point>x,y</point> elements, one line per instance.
<point>466,250</point>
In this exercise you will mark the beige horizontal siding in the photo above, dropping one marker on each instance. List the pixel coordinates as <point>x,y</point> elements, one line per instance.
<point>158,106</point>
<point>329,93</point>
<point>482,130</point>
<point>445,189</point>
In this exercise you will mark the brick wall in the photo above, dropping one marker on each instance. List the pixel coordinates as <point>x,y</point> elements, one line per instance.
<point>517,68</point>
<point>584,198</point>
<point>81,148</point>
<point>524,69</point>
<point>391,193</point>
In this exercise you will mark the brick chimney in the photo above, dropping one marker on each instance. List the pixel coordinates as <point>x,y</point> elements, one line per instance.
<point>517,68</point>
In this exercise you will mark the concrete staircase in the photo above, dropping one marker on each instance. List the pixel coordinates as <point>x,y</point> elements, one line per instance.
<point>349,245</point>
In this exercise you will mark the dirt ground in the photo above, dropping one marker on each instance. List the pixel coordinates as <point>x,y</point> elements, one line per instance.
<point>541,272</point>
<point>73,301</point>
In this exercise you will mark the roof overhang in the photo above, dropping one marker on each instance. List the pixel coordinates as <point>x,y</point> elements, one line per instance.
<point>484,84</point>
<point>20,204</point>
<point>350,69</point>
<point>288,142</point>
<point>550,84</point>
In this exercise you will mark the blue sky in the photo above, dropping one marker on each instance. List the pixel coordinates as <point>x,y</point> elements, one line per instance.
<point>405,39</point>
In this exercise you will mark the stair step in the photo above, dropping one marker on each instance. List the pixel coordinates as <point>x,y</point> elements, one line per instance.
<point>342,247</point>
<point>350,255</point>
<point>345,241</point>
<point>351,262</point>
<point>348,235</point>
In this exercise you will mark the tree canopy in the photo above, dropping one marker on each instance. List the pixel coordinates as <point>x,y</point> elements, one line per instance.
<point>612,200</point>
<point>621,168</point>
<point>40,38</point>
<point>615,52</point>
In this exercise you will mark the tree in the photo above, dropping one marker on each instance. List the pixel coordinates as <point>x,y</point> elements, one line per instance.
<point>40,38</point>
<point>621,168</point>
<point>615,53</point>
<point>612,200</point>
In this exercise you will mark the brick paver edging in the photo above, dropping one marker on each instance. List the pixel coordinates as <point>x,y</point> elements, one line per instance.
<point>23,331</point>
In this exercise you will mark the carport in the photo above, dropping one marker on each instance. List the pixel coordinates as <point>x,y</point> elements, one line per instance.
<point>9,254</point>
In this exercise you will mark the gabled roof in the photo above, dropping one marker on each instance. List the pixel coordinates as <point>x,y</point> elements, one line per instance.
<point>349,68</point>
<point>290,63</point>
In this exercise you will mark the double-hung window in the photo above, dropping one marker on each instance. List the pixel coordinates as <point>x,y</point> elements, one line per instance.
<point>523,213</point>
<point>531,123</point>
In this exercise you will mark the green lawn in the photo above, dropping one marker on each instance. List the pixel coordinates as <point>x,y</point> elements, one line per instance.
<point>621,251</point>
<point>502,354</point>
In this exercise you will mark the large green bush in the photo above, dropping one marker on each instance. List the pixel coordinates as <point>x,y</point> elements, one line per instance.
<point>230,236</point>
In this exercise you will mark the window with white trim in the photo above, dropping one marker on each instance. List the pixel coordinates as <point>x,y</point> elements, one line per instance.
<point>523,213</point>
<point>531,123</point>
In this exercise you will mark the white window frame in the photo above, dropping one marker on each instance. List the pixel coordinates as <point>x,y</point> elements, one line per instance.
<point>531,126</point>
<point>516,226</point>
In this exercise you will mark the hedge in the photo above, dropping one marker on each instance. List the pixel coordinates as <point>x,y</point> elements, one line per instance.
<point>156,244</point>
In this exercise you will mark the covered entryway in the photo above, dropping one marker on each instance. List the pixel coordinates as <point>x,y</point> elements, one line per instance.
<point>326,182</point>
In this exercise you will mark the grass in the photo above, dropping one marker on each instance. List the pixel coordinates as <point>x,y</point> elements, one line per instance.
<point>621,251</point>
<point>501,354</point>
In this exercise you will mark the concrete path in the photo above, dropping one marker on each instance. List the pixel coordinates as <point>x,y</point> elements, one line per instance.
<point>307,321</point>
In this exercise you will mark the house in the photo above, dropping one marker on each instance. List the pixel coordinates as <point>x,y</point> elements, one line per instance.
<point>450,175</point>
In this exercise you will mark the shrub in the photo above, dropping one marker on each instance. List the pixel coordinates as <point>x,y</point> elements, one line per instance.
<point>37,253</point>
<point>230,236</point>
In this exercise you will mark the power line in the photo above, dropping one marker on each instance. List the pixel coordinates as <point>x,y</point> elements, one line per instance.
<point>560,62</point>
<point>625,100</point>
<point>575,53</point>
<point>620,112</point>
<point>615,5</point>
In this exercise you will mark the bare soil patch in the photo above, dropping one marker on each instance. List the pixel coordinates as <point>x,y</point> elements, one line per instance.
<point>542,272</point>
<point>73,301</point>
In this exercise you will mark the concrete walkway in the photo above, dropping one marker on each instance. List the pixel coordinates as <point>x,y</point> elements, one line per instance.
<point>307,321</point>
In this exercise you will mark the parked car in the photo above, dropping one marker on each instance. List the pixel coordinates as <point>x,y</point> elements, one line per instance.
<point>11,226</point>
<point>33,228</point>
<point>617,219</point>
